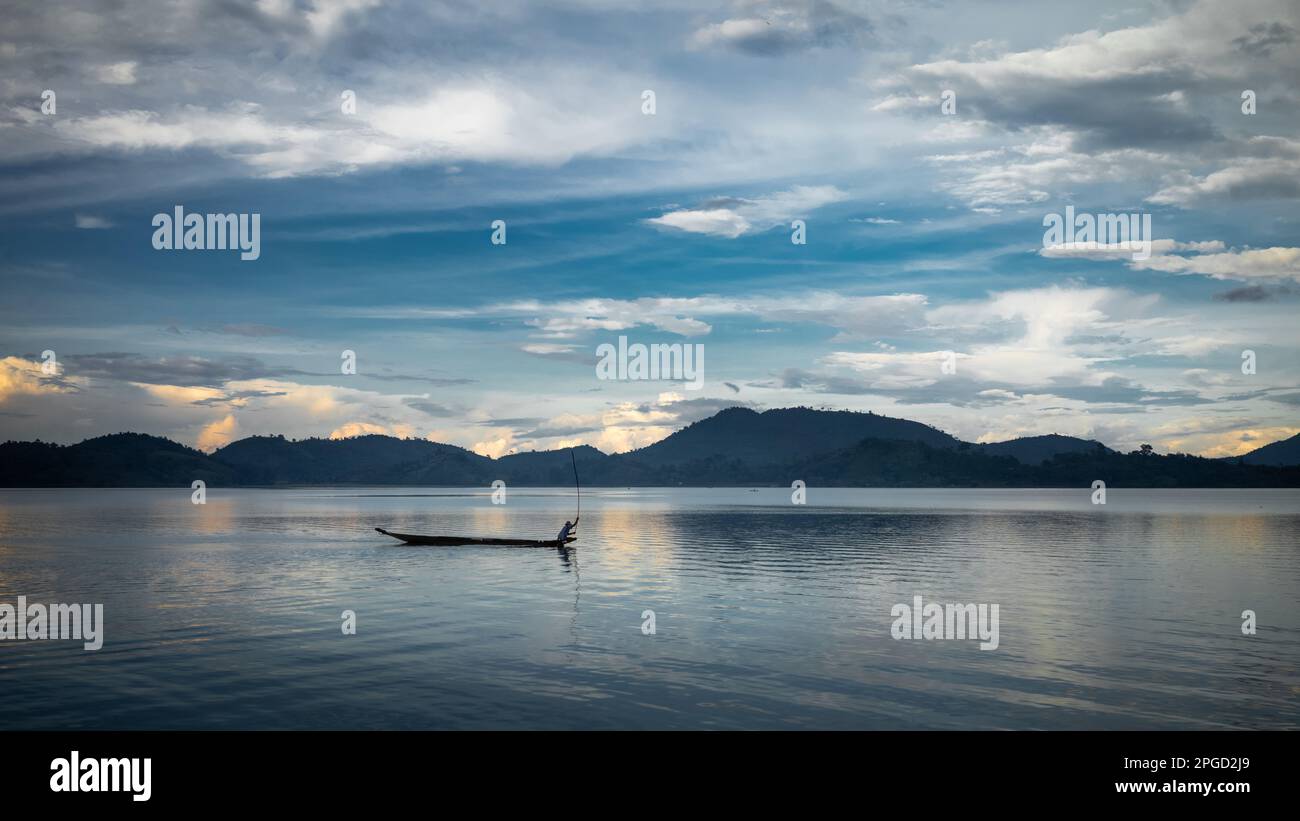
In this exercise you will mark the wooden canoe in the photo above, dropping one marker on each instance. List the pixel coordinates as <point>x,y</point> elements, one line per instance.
<point>448,541</point>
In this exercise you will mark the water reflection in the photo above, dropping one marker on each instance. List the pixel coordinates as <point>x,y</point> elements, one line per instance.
<point>767,614</point>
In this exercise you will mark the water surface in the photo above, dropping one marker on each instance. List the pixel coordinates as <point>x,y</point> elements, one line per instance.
<point>767,615</point>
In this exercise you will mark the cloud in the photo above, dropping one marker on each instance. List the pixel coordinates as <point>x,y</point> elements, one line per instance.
<point>1047,159</point>
<point>251,329</point>
<point>773,29</point>
<point>1113,88</point>
<point>116,74</point>
<point>190,126</point>
<point>1210,258</point>
<point>1256,263</point>
<point>217,434</point>
<point>1217,444</point>
<point>631,425</point>
<point>1106,249</point>
<point>1263,38</point>
<point>427,407</point>
<point>544,117</point>
<point>186,371</point>
<point>1018,348</point>
<point>1152,100</point>
<point>1246,293</point>
<point>853,316</point>
<point>19,376</point>
<point>563,352</point>
<point>719,222</point>
<point>354,429</point>
<point>567,424</point>
<point>735,217</point>
<point>1273,174</point>
<point>618,428</point>
<point>496,447</point>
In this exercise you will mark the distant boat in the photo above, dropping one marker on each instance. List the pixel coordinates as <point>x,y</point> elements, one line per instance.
<point>449,541</point>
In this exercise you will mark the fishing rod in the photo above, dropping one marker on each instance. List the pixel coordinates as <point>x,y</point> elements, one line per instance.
<point>577,487</point>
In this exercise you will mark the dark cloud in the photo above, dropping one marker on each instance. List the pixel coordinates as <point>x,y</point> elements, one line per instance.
<point>961,391</point>
<point>248,329</point>
<point>234,395</point>
<point>687,411</point>
<point>1118,390</point>
<point>1099,339</point>
<point>439,381</point>
<point>954,390</point>
<point>185,371</point>
<point>559,430</point>
<point>1249,293</point>
<point>779,29</point>
<point>427,407</point>
<point>513,422</point>
<point>1104,115</point>
<point>1262,38</point>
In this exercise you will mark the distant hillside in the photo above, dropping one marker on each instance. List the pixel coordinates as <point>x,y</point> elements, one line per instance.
<point>875,463</point>
<point>1034,450</point>
<point>777,436</point>
<point>1285,452</point>
<point>370,459</point>
<point>736,447</point>
<point>553,467</point>
<point>117,460</point>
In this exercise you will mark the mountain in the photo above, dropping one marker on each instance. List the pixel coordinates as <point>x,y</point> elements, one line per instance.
<point>363,460</point>
<point>878,463</point>
<point>554,468</point>
<point>117,460</point>
<point>1034,450</point>
<point>777,436</point>
<point>735,447</point>
<point>1285,452</point>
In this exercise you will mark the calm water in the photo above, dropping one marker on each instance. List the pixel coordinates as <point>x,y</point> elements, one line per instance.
<point>768,615</point>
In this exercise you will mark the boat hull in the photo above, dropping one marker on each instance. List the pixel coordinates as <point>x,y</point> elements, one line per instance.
<point>451,541</point>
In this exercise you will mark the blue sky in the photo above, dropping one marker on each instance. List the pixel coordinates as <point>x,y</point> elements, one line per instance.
<point>924,228</point>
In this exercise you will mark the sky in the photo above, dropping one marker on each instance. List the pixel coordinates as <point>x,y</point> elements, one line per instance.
<point>921,146</point>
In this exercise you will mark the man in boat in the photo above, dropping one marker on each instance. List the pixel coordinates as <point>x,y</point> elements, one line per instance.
<point>563,538</point>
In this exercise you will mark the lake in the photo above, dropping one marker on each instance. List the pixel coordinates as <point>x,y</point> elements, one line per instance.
<point>766,614</point>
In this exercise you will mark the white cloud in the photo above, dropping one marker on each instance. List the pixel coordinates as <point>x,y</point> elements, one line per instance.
<point>116,74</point>
<point>91,221</point>
<point>1278,263</point>
<point>853,316</point>
<point>1209,258</point>
<point>775,28</point>
<point>546,119</point>
<point>734,217</point>
<point>1106,250</point>
<point>719,222</point>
